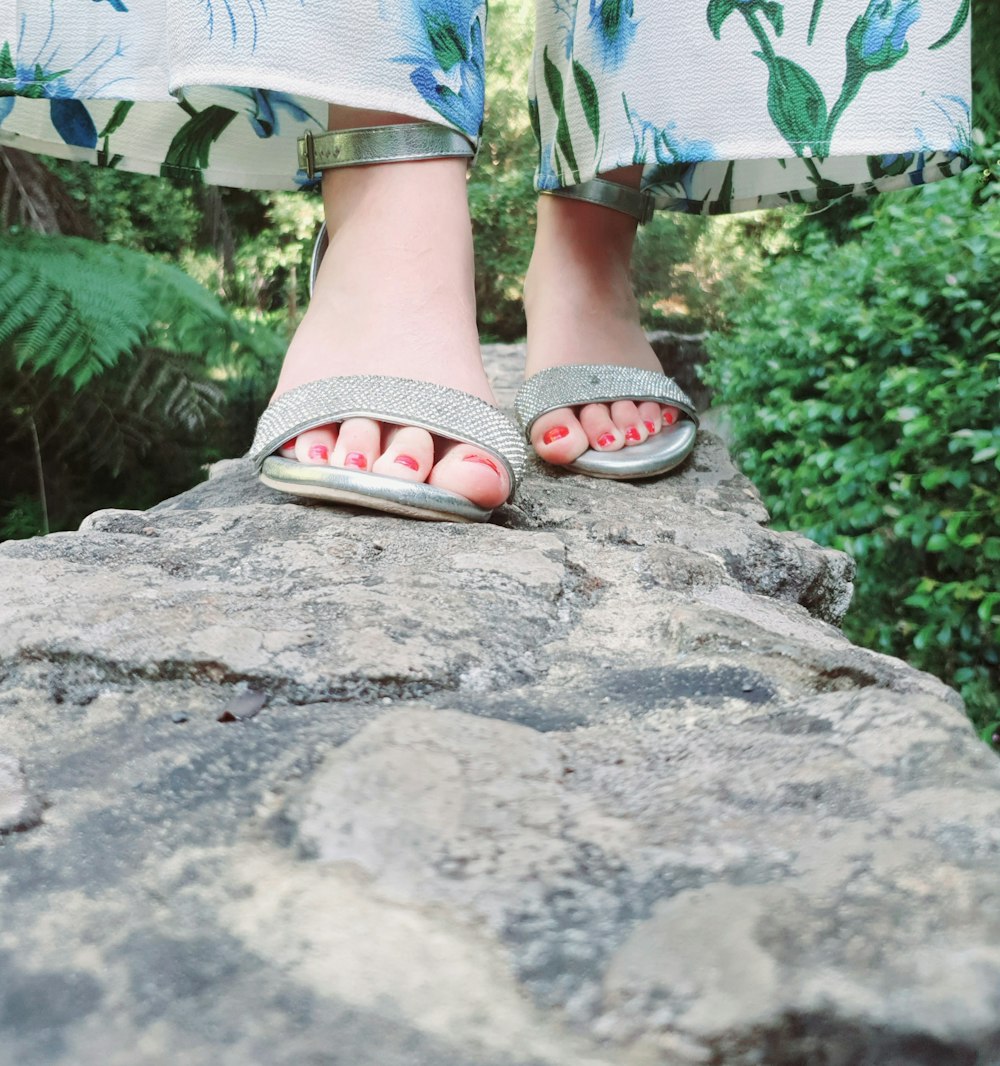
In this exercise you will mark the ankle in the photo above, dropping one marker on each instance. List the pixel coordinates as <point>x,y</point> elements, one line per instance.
<point>582,252</point>
<point>584,287</point>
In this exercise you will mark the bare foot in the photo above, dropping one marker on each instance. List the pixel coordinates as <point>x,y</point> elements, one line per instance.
<point>395,296</point>
<point>580,308</point>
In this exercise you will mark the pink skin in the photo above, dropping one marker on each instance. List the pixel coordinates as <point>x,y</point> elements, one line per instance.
<point>400,251</point>
<point>409,222</point>
<point>580,306</point>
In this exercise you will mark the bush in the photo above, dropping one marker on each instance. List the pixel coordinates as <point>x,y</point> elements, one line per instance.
<point>863,382</point>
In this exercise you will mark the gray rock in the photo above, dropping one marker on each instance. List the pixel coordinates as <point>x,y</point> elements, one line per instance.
<point>600,782</point>
<point>19,809</point>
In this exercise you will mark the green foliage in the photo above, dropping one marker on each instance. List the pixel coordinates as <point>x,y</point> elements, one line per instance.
<point>985,68</point>
<point>863,383</point>
<point>501,196</point>
<point>106,364</point>
<point>75,307</point>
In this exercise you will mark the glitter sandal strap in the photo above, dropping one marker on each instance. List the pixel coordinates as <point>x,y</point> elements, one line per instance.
<point>438,409</point>
<point>571,386</point>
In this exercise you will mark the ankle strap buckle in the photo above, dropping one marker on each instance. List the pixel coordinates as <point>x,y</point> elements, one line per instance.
<point>640,205</point>
<point>380,144</point>
<point>307,147</point>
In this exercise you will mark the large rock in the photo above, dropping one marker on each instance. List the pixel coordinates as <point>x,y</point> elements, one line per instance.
<point>598,783</point>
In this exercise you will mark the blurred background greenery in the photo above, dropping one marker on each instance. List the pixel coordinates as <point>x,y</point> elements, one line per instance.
<point>854,351</point>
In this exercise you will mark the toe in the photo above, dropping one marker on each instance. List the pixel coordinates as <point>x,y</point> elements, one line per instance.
<point>602,433</point>
<point>407,453</point>
<point>670,415</point>
<point>316,445</point>
<point>558,437</point>
<point>625,415</point>
<point>474,474</point>
<point>652,417</point>
<point>287,450</point>
<point>358,444</point>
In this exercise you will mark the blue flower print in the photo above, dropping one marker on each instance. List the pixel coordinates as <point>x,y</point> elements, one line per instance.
<point>448,59</point>
<point>613,23</point>
<point>660,144</point>
<point>239,17</point>
<point>262,106</point>
<point>32,80</point>
<point>116,4</point>
<point>877,40</point>
<point>954,114</point>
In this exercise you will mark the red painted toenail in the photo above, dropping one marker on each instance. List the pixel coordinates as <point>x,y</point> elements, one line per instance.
<point>320,452</point>
<point>482,459</point>
<point>650,426</point>
<point>356,459</point>
<point>555,433</point>
<point>632,433</point>
<point>407,461</point>
<point>606,440</point>
<point>670,415</point>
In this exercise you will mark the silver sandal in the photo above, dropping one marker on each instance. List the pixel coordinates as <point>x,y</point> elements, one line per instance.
<point>573,386</point>
<point>450,413</point>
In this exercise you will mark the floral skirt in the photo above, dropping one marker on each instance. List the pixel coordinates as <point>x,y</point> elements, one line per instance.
<point>729,104</point>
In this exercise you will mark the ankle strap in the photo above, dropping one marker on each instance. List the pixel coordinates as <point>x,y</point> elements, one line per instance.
<point>609,194</point>
<point>380,144</point>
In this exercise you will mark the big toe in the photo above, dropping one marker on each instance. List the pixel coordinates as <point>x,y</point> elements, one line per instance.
<point>558,437</point>
<point>474,474</point>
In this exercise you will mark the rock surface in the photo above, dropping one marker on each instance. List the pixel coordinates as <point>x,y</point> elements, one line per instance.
<point>598,783</point>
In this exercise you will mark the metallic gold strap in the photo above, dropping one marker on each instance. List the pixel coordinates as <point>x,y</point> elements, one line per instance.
<point>609,194</point>
<point>380,144</point>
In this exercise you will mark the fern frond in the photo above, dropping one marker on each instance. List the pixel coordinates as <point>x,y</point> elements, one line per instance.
<point>75,307</point>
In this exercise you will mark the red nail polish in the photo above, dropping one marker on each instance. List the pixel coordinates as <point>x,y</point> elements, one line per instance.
<point>407,461</point>
<point>670,415</point>
<point>606,440</point>
<point>320,452</point>
<point>632,433</point>
<point>356,459</point>
<point>482,459</point>
<point>555,433</point>
<point>650,426</point>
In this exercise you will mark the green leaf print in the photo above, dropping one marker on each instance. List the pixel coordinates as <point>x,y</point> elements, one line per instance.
<point>795,103</point>
<point>723,203</point>
<point>535,120</point>
<point>188,151</point>
<point>7,69</point>
<point>553,82</point>
<point>718,12</point>
<point>814,20</point>
<point>447,42</point>
<point>775,14</point>
<point>589,98</point>
<point>33,90</point>
<point>564,141</point>
<point>961,17</point>
<point>118,116</point>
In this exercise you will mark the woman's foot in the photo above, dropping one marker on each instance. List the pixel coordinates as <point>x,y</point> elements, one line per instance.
<point>395,296</point>
<point>580,308</point>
